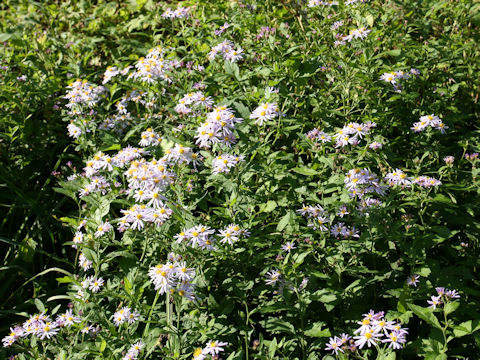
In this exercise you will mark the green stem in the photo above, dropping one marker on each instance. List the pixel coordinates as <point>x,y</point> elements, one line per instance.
<point>444,330</point>
<point>150,314</point>
<point>247,317</point>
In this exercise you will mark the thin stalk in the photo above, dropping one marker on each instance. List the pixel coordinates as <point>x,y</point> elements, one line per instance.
<point>150,313</point>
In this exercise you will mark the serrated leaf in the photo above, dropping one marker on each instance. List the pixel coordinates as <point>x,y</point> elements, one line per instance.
<point>466,328</point>
<point>426,314</point>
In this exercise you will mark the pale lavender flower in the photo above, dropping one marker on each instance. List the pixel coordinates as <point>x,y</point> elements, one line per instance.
<point>435,301</point>
<point>288,246</point>
<point>334,344</point>
<point>413,280</point>
<point>449,159</point>
<point>272,277</point>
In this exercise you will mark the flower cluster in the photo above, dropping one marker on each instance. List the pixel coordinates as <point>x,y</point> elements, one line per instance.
<point>127,155</point>
<point>265,31</point>
<point>174,277</point>
<point>150,176</point>
<point>449,160</point>
<point>443,296</point>
<point>117,122</point>
<point>111,72</point>
<point>197,236</point>
<point>471,157</point>
<point>429,121</point>
<point>134,351</point>
<point>138,97</point>
<point>350,2</point>
<point>74,131</point>
<point>394,77</point>
<point>99,162</point>
<point>218,128</point>
<point>336,25</point>
<point>92,283</point>
<point>180,12</point>
<point>212,348</point>
<point>265,112</point>
<point>360,33</point>
<point>350,134</point>
<point>96,184</point>
<point>319,219</point>
<point>398,177</point>
<point>84,263</point>
<point>314,3</point>
<point>202,236</point>
<point>125,314</point>
<point>318,136</point>
<point>232,233</point>
<point>150,138</point>
<point>82,92</point>
<point>427,181</point>
<point>374,329</point>
<point>42,326</point>
<point>227,49</point>
<point>223,163</point>
<point>153,67</point>
<point>362,181</point>
<point>196,99</point>
<point>137,216</point>
<point>222,29</point>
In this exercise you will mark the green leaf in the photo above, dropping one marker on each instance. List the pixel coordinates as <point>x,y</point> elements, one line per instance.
<point>59,297</point>
<point>466,328</point>
<point>103,345</point>
<point>242,109</point>
<point>128,285</point>
<point>264,71</point>
<point>396,52</point>
<point>284,221</point>
<point>65,280</point>
<point>268,207</point>
<point>316,331</point>
<point>424,272</point>
<point>112,147</point>
<point>450,307</point>
<point>305,171</point>
<point>390,356</point>
<point>272,348</point>
<point>67,192</point>
<point>370,20</point>
<point>39,305</point>
<point>426,314</point>
<point>278,325</point>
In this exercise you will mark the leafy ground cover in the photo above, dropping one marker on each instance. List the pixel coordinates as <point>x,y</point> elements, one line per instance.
<point>240,179</point>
